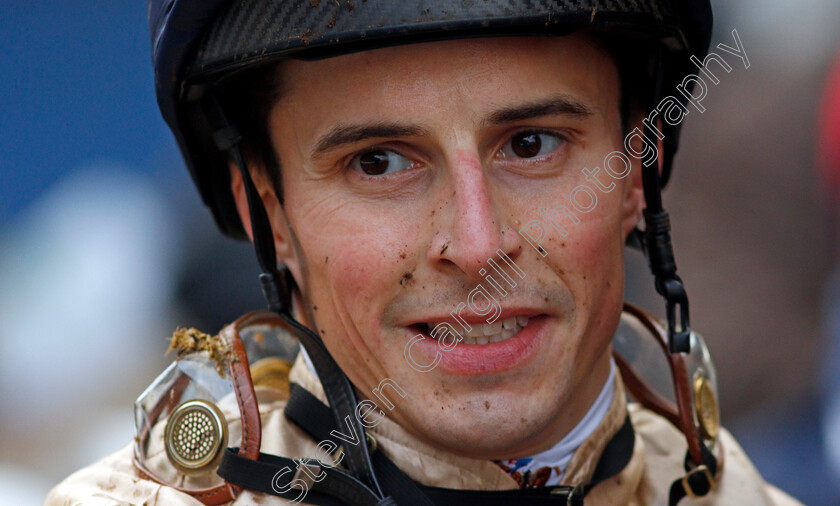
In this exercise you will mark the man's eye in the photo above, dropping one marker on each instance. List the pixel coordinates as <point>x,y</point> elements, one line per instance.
<point>531,145</point>
<point>378,162</point>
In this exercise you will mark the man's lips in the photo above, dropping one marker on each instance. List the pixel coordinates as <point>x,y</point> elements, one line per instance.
<point>479,358</point>
<point>477,332</point>
<point>472,318</point>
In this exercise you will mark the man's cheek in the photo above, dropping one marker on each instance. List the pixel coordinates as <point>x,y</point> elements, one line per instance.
<point>588,256</point>
<point>357,273</point>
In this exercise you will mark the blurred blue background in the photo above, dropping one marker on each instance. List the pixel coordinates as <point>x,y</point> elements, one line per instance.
<point>105,247</point>
<point>104,244</point>
<point>77,88</point>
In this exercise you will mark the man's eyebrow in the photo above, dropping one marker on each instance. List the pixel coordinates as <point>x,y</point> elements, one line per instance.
<point>563,105</point>
<point>348,134</point>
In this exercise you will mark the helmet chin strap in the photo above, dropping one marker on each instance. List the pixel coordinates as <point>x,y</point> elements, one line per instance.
<point>277,287</point>
<point>701,469</point>
<point>657,235</point>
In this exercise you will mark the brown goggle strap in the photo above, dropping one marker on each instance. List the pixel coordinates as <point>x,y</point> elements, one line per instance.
<point>702,466</point>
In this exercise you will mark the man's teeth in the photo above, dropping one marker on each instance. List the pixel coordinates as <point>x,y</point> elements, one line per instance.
<point>483,333</point>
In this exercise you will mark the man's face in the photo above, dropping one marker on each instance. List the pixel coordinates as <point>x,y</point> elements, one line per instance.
<point>404,170</point>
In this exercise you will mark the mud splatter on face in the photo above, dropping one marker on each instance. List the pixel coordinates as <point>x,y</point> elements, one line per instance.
<point>407,279</point>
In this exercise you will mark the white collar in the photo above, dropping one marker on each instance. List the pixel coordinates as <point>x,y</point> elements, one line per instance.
<point>557,457</point>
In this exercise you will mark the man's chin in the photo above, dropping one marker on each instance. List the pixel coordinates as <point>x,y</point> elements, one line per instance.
<point>484,432</point>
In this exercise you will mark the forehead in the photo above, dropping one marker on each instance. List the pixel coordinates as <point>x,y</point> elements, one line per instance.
<point>457,75</point>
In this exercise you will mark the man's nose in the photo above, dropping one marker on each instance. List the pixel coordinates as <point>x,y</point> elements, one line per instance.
<point>476,224</point>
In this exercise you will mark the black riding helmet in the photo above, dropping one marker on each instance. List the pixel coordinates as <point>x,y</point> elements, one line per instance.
<point>196,43</point>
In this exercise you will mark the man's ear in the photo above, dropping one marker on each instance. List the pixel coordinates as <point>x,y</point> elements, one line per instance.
<point>634,199</point>
<point>634,195</point>
<point>276,214</point>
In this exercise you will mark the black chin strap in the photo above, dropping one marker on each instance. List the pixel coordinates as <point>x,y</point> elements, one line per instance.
<point>277,288</point>
<point>700,477</point>
<point>657,235</point>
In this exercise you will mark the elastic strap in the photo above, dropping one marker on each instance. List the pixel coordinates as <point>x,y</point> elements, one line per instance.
<point>297,480</point>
